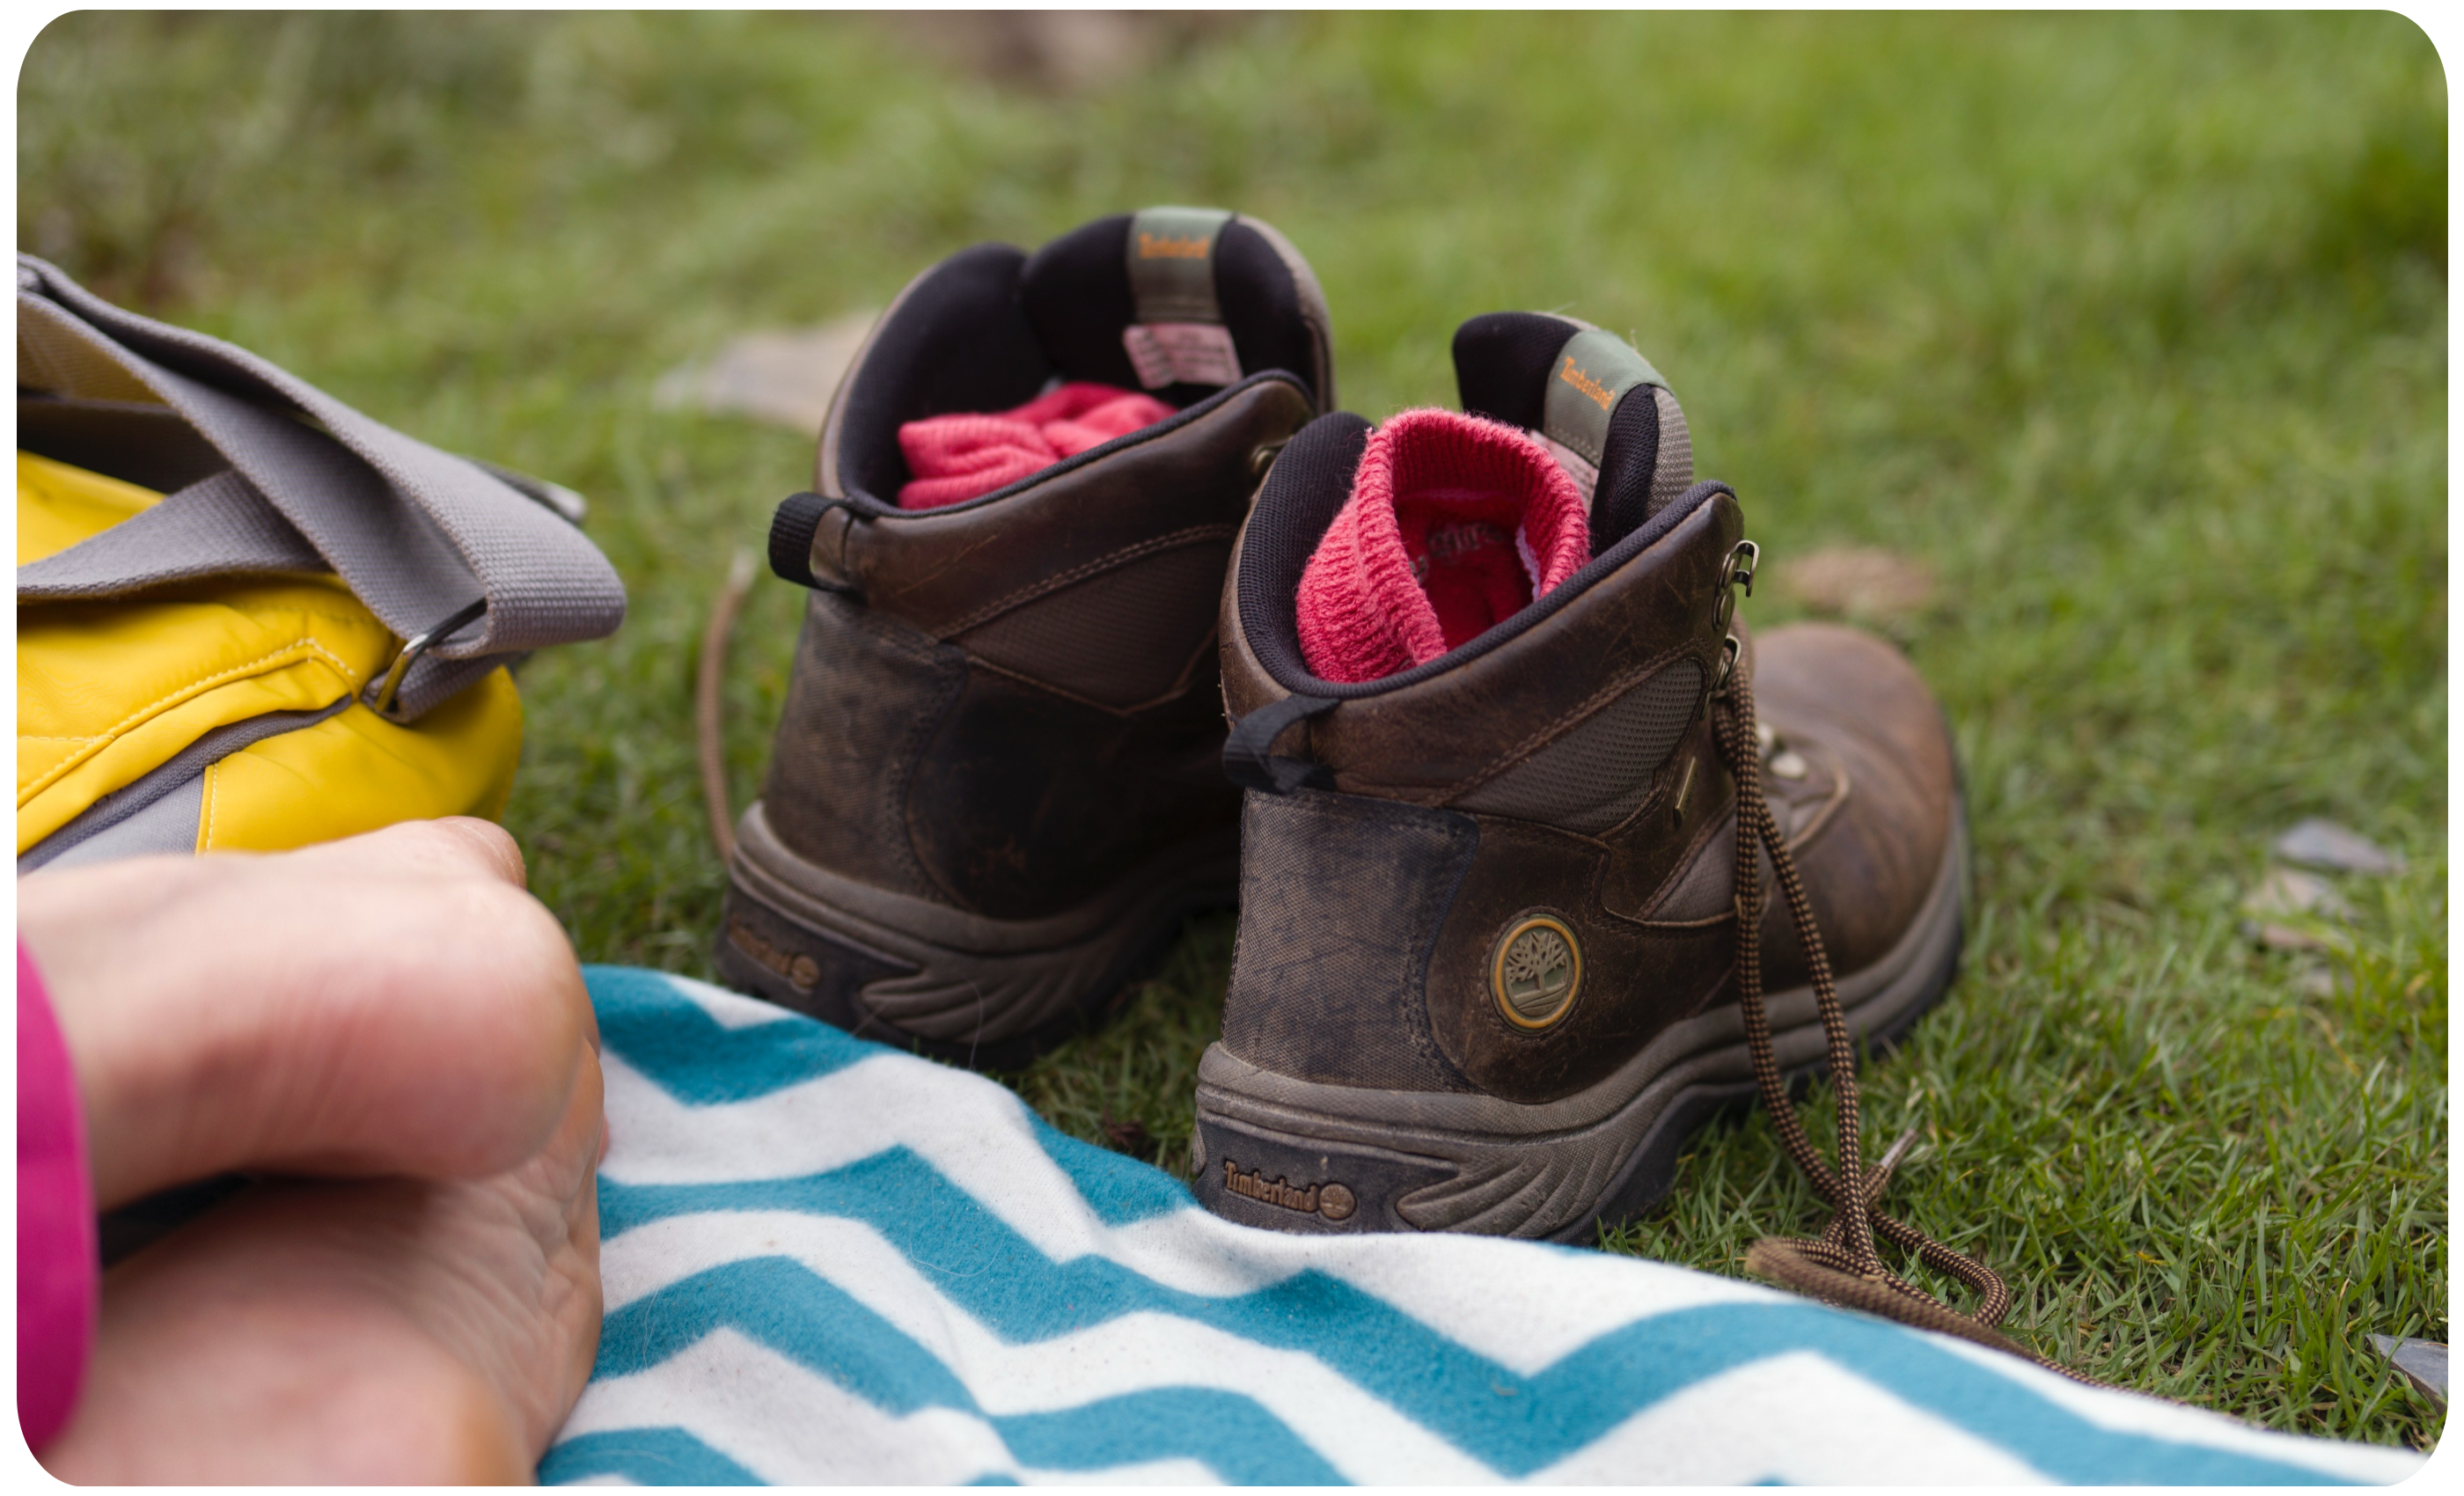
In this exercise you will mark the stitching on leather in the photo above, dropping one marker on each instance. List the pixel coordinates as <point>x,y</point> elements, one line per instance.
<point>1574,716</point>
<point>1179,688</point>
<point>1408,793</point>
<point>1714,828</point>
<point>1827,812</point>
<point>979,662</point>
<point>1663,788</point>
<point>1687,926</point>
<point>1084,570</point>
<point>305,647</point>
<point>1726,826</point>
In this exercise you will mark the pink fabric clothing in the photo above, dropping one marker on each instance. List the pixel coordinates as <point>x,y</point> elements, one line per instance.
<point>58,1277</point>
<point>1455,523</point>
<point>958,457</point>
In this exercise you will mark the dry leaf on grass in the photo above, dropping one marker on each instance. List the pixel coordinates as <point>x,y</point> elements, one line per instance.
<point>2423,1362</point>
<point>2285,892</point>
<point>784,375</point>
<point>2316,843</point>
<point>2287,895</point>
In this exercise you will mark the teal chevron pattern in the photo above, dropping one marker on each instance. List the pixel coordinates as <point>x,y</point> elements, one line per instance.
<point>827,1261</point>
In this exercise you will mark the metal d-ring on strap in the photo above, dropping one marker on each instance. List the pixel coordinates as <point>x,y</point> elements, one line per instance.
<point>381,697</point>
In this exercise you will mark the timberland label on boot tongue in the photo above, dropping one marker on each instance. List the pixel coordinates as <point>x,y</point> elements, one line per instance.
<point>1594,370</point>
<point>1179,337</point>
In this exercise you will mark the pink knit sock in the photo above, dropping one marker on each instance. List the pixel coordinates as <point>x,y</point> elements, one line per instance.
<point>957,458</point>
<point>1455,523</point>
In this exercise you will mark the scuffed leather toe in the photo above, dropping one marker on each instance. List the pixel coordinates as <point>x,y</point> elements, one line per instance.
<point>1872,809</point>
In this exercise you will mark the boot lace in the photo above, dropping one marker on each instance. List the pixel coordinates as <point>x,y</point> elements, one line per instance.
<point>1843,1265</point>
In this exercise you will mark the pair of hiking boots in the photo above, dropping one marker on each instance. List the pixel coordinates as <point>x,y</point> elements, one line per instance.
<point>1497,749</point>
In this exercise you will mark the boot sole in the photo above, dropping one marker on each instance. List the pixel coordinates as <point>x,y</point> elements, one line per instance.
<point>1300,1155</point>
<point>958,986</point>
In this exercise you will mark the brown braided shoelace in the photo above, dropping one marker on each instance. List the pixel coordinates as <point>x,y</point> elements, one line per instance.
<point>1843,1265</point>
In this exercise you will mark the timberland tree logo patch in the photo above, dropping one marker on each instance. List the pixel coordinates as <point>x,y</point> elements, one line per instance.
<point>1331,1199</point>
<point>1536,970</point>
<point>800,971</point>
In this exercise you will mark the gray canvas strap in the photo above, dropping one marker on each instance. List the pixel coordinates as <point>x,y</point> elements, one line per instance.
<point>219,527</point>
<point>1593,369</point>
<point>417,534</point>
<point>147,444</point>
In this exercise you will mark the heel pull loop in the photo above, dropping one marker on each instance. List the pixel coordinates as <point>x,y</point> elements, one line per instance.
<point>1249,760</point>
<point>795,534</point>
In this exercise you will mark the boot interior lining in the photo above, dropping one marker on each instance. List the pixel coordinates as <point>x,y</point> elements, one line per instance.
<point>991,327</point>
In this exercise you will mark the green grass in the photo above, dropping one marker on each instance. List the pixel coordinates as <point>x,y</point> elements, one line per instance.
<point>2132,328</point>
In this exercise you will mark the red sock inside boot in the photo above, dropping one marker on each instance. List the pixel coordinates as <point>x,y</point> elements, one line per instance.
<point>958,457</point>
<point>1455,523</point>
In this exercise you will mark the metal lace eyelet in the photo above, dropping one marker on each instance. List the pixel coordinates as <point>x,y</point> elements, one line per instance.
<point>1741,572</point>
<point>1722,672</point>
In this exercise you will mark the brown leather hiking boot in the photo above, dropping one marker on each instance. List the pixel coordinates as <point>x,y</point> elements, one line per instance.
<point>997,786</point>
<point>1487,976</point>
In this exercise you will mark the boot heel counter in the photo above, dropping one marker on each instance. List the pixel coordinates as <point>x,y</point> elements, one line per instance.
<point>1342,897</point>
<point>865,697</point>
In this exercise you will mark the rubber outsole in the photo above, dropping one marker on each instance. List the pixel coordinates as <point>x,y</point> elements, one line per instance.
<point>1272,1150</point>
<point>985,992</point>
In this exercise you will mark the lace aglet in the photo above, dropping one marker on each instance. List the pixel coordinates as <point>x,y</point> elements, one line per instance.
<point>1880,1173</point>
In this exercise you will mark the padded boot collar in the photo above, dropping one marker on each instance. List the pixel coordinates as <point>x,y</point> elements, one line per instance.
<point>991,327</point>
<point>1440,730</point>
<point>1594,402</point>
<point>943,570</point>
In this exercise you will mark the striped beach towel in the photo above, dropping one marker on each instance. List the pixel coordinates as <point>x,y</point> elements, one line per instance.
<point>827,1261</point>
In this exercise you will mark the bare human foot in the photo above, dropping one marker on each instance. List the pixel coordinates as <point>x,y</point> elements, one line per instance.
<point>391,1005</point>
<point>390,1330</point>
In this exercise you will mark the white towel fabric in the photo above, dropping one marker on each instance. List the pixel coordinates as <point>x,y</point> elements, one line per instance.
<point>829,1262</point>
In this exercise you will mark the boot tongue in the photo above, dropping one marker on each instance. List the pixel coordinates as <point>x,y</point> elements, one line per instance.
<point>1453,524</point>
<point>1598,406</point>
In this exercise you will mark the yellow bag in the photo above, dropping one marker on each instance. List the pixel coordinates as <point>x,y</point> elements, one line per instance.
<point>250,616</point>
<point>113,693</point>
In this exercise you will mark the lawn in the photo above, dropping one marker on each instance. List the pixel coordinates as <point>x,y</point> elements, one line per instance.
<point>2133,330</point>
